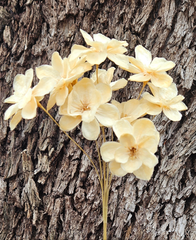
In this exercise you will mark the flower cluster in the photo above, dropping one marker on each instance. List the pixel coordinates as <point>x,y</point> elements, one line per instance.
<point>88,100</point>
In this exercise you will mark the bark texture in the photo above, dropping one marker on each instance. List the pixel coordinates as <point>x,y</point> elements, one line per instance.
<point>48,188</point>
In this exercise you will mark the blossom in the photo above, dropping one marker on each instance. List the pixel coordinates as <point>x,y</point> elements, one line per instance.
<point>101,48</point>
<point>24,99</point>
<point>61,76</point>
<point>132,109</point>
<point>134,153</point>
<point>146,69</point>
<point>87,103</point>
<point>106,77</point>
<point>166,100</point>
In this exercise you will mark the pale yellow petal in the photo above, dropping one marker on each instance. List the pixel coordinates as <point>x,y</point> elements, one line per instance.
<point>108,149</point>
<point>140,77</point>
<point>162,79</point>
<point>51,100</point>
<point>131,165</point>
<point>144,173</point>
<point>63,109</point>
<point>89,115</point>
<point>107,114</point>
<point>118,105</point>
<point>47,71</point>
<point>119,59</point>
<point>25,99</point>
<point>44,86</point>
<point>161,65</point>
<point>127,140</point>
<point>172,114</point>
<point>10,111</point>
<point>168,92</point>
<point>101,38</point>
<point>122,127</point>
<point>91,130</point>
<point>12,99</point>
<point>15,120</point>
<point>78,51</point>
<point>67,123</point>
<point>137,64</point>
<point>96,57</point>
<point>29,111</point>
<point>149,142</point>
<point>180,106</point>
<point>143,55</point>
<point>88,39</point>
<point>147,158</point>
<point>61,95</point>
<point>147,96</point>
<point>57,63</point>
<point>116,169</point>
<point>105,91</point>
<point>121,155</point>
<point>121,83</point>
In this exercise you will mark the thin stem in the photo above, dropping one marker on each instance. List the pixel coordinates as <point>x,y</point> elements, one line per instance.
<point>97,67</point>
<point>144,84</point>
<point>100,166</point>
<point>39,105</point>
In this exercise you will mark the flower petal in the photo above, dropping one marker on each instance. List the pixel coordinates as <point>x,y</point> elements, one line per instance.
<point>105,91</point>
<point>91,130</point>
<point>51,100</point>
<point>47,71</point>
<point>180,106</point>
<point>116,169</point>
<point>57,63</point>
<point>101,38</point>
<point>122,127</point>
<point>61,95</point>
<point>96,57</point>
<point>15,120</point>
<point>119,59</point>
<point>108,149</point>
<point>29,111</point>
<point>131,165</point>
<point>162,79</point>
<point>143,55</point>
<point>44,86</point>
<point>127,140</point>
<point>147,158</point>
<point>107,114</point>
<point>144,172</point>
<point>88,39</point>
<point>161,65</point>
<point>120,83</point>
<point>172,114</point>
<point>67,123</point>
<point>10,111</point>
<point>121,155</point>
<point>140,77</point>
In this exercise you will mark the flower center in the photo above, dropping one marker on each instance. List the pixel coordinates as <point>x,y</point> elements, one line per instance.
<point>132,151</point>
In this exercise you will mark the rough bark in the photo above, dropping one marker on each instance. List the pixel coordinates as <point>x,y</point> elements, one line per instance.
<point>48,188</point>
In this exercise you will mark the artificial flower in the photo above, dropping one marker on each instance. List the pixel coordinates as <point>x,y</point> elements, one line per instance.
<point>61,76</point>
<point>134,153</point>
<point>166,100</point>
<point>24,99</point>
<point>87,103</point>
<point>146,69</point>
<point>132,109</point>
<point>106,77</point>
<point>101,48</point>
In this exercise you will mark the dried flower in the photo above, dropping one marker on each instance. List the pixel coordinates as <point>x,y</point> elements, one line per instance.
<point>101,48</point>
<point>88,103</point>
<point>145,69</point>
<point>134,153</point>
<point>60,77</point>
<point>106,77</point>
<point>166,100</point>
<point>24,99</point>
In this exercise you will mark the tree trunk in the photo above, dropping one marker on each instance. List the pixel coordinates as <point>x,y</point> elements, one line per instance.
<point>48,188</point>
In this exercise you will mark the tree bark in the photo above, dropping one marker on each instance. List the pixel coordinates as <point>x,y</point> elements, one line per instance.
<point>48,188</point>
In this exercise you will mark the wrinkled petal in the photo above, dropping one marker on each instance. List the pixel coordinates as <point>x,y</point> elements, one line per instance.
<point>108,150</point>
<point>121,155</point>
<point>143,55</point>
<point>140,77</point>
<point>91,130</point>
<point>26,98</point>
<point>15,120</point>
<point>89,116</point>
<point>121,83</point>
<point>161,64</point>
<point>105,91</point>
<point>29,111</point>
<point>122,127</point>
<point>47,71</point>
<point>168,92</point>
<point>147,158</point>
<point>127,140</point>
<point>57,63</point>
<point>23,82</point>
<point>67,123</point>
<point>131,165</point>
<point>10,111</point>
<point>149,142</point>
<point>144,173</point>
<point>136,64</point>
<point>116,169</point>
<point>161,79</point>
<point>107,114</point>
<point>96,57</point>
<point>172,114</point>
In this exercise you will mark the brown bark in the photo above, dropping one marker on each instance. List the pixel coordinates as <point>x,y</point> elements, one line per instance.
<point>48,188</point>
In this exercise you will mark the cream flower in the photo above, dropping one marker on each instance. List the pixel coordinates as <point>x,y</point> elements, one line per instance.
<point>60,77</point>
<point>101,48</point>
<point>145,69</point>
<point>166,100</point>
<point>134,153</point>
<point>106,77</point>
<point>88,103</point>
<point>24,99</point>
<point>132,109</point>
